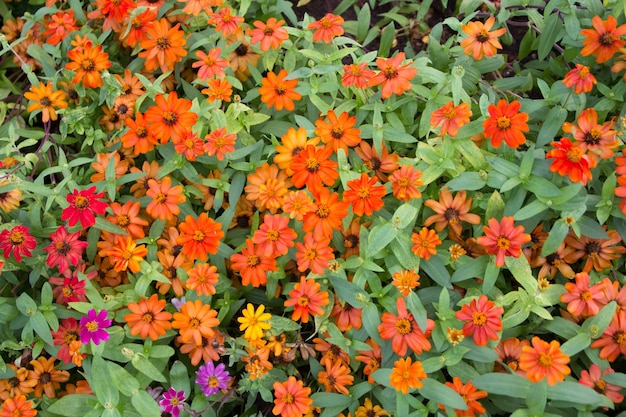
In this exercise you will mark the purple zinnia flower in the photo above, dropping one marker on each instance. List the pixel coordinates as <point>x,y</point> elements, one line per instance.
<point>178,302</point>
<point>172,402</point>
<point>93,327</point>
<point>212,378</point>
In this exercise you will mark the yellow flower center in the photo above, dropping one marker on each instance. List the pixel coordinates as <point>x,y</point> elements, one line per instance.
<point>147,318</point>
<point>545,360</point>
<point>303,300</point>
<point>449,114</point>
<point>404,182</point>
<point>336,132</point>
<point>213,382</point>
<point>363,193</point>
<point>479,318</point>
<point>607,39</point>
<point>123,220</point>
<point>253,260</point>
<point>620,338</point>
<point>322,212</point>
<point>586,296</point>
<point>503,243</point>
<point>198,236</point>
<point>170,118</point>
<point>390,72</point>
<point>160,198</point>
<point>575,154</point>
<point>403,326</point>
<point>88,65</point>
<point>81,202</point>
<point>288,398</point>
<point>584,71</point>
<point>272,235</point>
<point>312,165</point>
<point>482,36</point>
<point>503,122</point>
<point>62,248</point>
<point>310,254</point>
<point>17,238</point>
<point>162,42</point>
<point>127,255</point>
<point>194,323</point>
<point>92,326</point>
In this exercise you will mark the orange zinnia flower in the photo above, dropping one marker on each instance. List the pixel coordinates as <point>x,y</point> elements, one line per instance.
<point>503,239</point>
<point>291,398</point>
<point>572,160</point>
<point>267,187</point>
<point>583,299</point>
<point>313,168</point>
<point>506,122</point>
<point>405,281</point>
<point>385,164</point>
<point>202,278</point>
<point>327,28</point>
<point>127,255</point>
<point>404,331</point>
<point>357,75</point>
<point>127,217</point>
<point>293,142</point>
<point>138,137</point>
<point>306,299</point>
<point>395,78</point>
<point>200,237</point>
<point>147,318</point>
<point>313,254</point>
<point>219,143</point>
<point>483,320</point>
<point>480,41</point>
<point>338,132</point>
<point>544,360</point>
<point>580,78</point>
<point>453,117</point>
<point>470,394</point>
<point>278,92</point>
<point>210,64</point>
<point>138,28</point>
<point>195,321</point>
<point>612,343</point>
<point>189,145</point>
<point>46,100</point>
<point>297,204</point>
<point>120,167</point>
<point>425,243</point>
<point>371,358</point>
<point>404,183</point>
<point>19,407</point>
<point>59,26</point>
<point>346,317</point>
<point>252,263</point>
<point>604,40</point>
<point>451,212</point>
<point>170,117</point>
<point>326,216</point>
<point>597,253</point>
<point>165,199</point>
<point>365,196</point>
<point>599,139</point>
<point>336,377</point>
<point>48,377</point>
<point>509,352</point>
<point>241,57</point>
<point>87,62</point>
<point>270,34</point>
<point>593,379</point>
<point>406,375</point>
<point>164,46</point>
<point>218,89</point>
<point>225,22</point>
<point>274,237</point>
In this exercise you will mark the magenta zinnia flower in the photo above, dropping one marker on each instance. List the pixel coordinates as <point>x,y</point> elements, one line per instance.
<point>93,327</point>
<point>172,402</point>
<point>212,378</point>
<point>83,206</point>
<point>482,320</point>
<point>17,241</point>
<point>65,249</point>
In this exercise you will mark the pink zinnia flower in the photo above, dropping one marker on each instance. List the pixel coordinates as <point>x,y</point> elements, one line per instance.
<point>93,327</point>
<point>66,249</point>
<point>583,300</point>
<point>593,379</point>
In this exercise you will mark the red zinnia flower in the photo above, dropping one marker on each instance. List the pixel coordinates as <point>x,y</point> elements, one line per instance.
<point>480,41</point>
<point>583,299</point>
<point>503,239</point>
<point>482,320</point>
<point>405,182</point>
<point>604,40</point>
<point>612,343</point>
<point>253,264</point>
<point>219,143</point>
<point>326,216</point>
<point>338,132</point>
<point>60,25</point>
<point>210,64</point>
<point>593,379</point>
<point>425,243</point>
<point>225,22</point>
<point>274,237</point>
<point>571,160</point>
<point>314,254</point>
<point>598,138</point>
<point>278,92</point>
<point>291,398</point>
<point>506,122</point>
<point>313,168</point>
<point>65,249</point>
<point>357,75</point>
<point>83,205</point>
<point>404,331</point>
<point>270,34</point>
<point>17,241</point>
<point>126,254</point>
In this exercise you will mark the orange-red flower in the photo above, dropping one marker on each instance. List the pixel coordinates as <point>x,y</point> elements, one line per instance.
<point>297,204</point>
<point>365,196</point>
<point>225,22</point>
<point>17,407</point>
<point>307,300</point>
<point>327,28</point>
<point>138,28</point>
<point>593,379</point>
<point>210,64</point>
<point>451,212</point>
<point>336,377</point>
<point>451,117</point>
<point>582,298</point>
<point>597,253</point>
<point>165,199</point>
<point>382,165</point>
<point>395,78</point>
<point>313,254</point>
<point>189,145</point>
<point>291,398</point>
<point>195,321</point>
<point>59,26</point>
<point>293,142</point>
<point>87,63</point>
<point>612,343</point>
<point>270,34</point>
<point>404,331</point>
<point>147,318</point>
<point>219,143</point>
<point>483,320</point>
<point>127,254</point>
<point>274,237</point>
<point>604,40</point>
<point>357,75</point>
<point>127,217</point>
<point>46,100</point>
<point>506,123</point>
<point>252,263</point>
<point>599,139</point>
<point>346,317</point>
<point>338,132</point>
<point>163,47</point>
<point>326,216</point>
<point>470,394</point>
<point>371,358</point>
<point>509,352</point>
<point>572,160</point>
<point>313,168</point>
<point>405,281</point>
<point>48,377</point>
<point>480,42</point>
<point>405,182</point>
<point>425,243</point>
<point>202,279</point>
<point>406,375</point>
<point>138,137</point>
<point>544,360</point>
<point>503,239</point>
<point>267,187</point>
<point>200,237</point>
<point>278,92</point>
<point>580,78</point>
<point>218,89</point>
<point>170,117</point>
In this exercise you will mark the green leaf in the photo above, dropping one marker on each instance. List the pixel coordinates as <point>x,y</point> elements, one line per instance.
<point>145,404</point>
<point>442,394</point>
<point>503,384</point>
<point>379,238</point>
<point>555,237</point>
<point>26,305</point>
<point>474,268</point>
<point>537,397</point>
<point>491,276</point>
<point>107,226</point>
<point>530,210</point>
<point>122,379</point>
<point>591,228</point>
<point>573,392</point>
<point>520,269</point>
<point>40,326</point>
<point>179,377</point>
<point>596,325</point>
<point>386,40</point>
<point>100,382</point>
<point>471,152</point>
<point>467,181</point>
<point>495,206</point>
<point>414,304</point>
<point>371,319</point>
<point>576,344</point>
<point>363,25</point>
<point>437,271</point>
<point>551,125</point>
<point>406,215</point>
<point>329,399</point>
<point>283,324</point>
<point>73,405</point>
<point>551,33</point>
<point>146,367</point>
<point>349,292</point>
<point>616,378</point>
